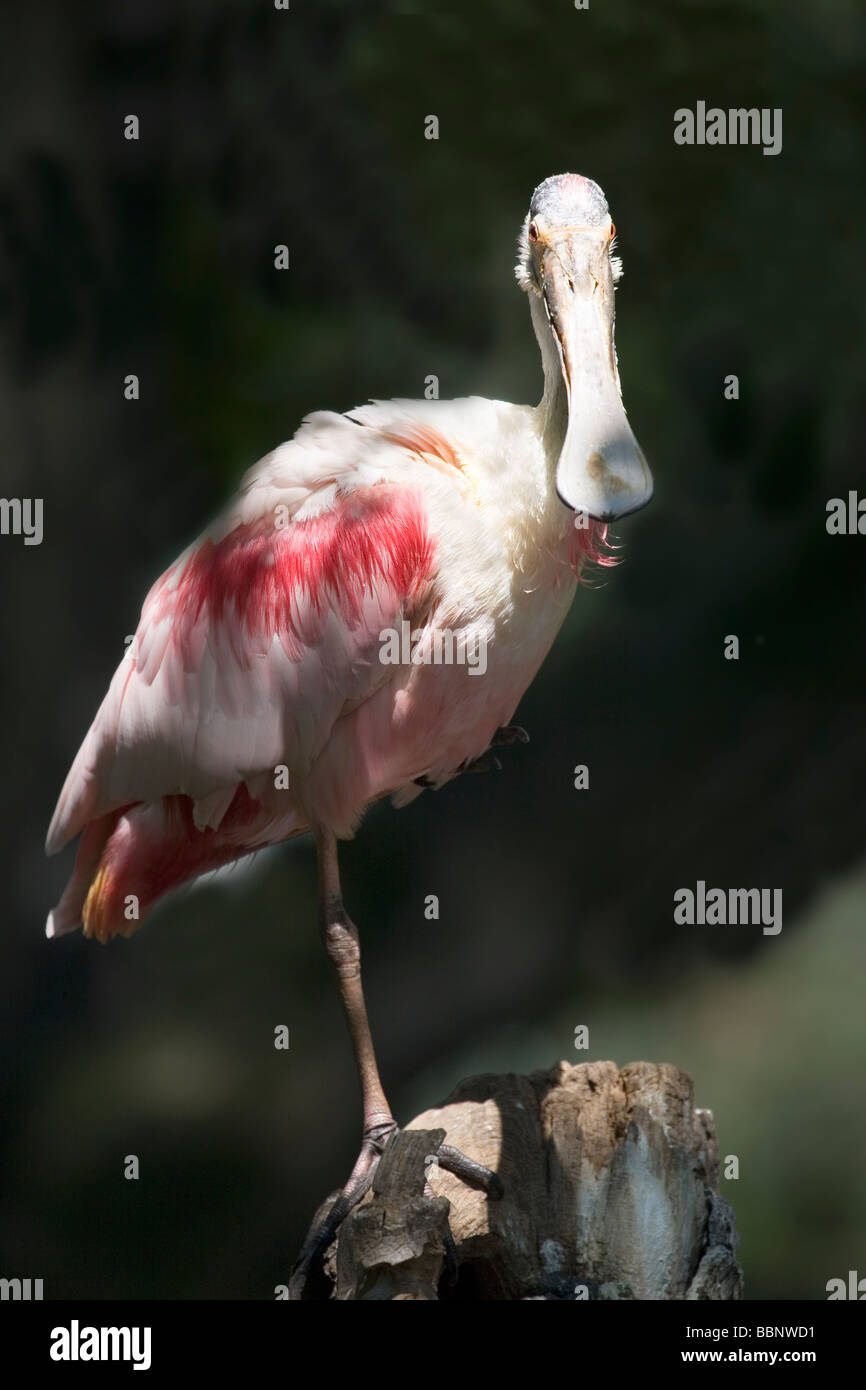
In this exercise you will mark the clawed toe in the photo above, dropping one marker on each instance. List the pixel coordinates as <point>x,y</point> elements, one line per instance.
<point>508,734</point>
<point>307,1271</point>
<point>469,1171</point>
<point>329,1219</point>
<point>505,737</point>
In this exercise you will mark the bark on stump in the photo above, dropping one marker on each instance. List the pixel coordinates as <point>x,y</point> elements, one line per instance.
<point>610,1180</point>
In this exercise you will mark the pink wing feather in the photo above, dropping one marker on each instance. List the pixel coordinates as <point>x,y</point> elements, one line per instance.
<point>253,643</point>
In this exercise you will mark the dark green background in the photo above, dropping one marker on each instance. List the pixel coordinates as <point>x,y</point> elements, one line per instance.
<point>261,127</point>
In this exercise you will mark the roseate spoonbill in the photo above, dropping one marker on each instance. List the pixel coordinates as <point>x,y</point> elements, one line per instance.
<point>256,701</point>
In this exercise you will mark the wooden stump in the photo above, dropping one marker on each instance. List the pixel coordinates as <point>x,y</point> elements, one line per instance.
<point>609,1176</point>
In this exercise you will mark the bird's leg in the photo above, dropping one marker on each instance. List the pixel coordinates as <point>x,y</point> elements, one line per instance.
<point>344,952</point>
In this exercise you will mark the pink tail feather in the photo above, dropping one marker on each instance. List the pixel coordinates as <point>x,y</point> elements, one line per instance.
<point>131,858</point>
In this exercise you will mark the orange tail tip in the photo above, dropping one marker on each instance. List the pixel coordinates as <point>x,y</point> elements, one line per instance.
<point>96,913</point>
<point>132,858</point>
<point>67,915</point>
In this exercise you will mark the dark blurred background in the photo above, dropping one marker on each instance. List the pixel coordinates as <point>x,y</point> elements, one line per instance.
<point>261,127</point>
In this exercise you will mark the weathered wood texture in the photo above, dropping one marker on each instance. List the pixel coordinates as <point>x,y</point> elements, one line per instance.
<point>609,1176</point>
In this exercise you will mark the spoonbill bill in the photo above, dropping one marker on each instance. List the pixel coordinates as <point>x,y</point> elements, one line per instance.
<point>265,694</point>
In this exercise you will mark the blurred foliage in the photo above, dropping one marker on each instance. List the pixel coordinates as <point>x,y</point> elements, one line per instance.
<point>306,128</point>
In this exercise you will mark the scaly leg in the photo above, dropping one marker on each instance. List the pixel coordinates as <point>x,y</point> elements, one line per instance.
<point>344,952</point>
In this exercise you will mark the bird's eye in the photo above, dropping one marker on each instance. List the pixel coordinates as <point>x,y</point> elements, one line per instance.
<point>533,231</point>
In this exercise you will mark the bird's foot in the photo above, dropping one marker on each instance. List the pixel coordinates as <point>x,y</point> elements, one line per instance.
<point>487,762</point>
<point>330,1218</point>
<point>470,1171</point>
<point>508,734</point>
<point>505,737</point>
<point>307,1270</point>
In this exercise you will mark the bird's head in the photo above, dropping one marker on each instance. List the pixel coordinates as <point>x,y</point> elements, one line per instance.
<point>566,265</point>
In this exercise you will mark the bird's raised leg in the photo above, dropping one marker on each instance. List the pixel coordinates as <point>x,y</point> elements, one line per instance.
<point>344,952</point>
<point>503,738</point>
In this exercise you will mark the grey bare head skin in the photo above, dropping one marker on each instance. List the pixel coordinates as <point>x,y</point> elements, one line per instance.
<point>565,264</point>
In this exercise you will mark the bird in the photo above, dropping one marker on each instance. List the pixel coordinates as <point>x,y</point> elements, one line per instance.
<point>361,622</point>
